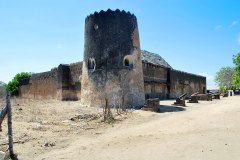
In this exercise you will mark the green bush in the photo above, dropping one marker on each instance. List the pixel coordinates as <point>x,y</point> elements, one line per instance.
<point>13,85</point>
<point>109,119</point>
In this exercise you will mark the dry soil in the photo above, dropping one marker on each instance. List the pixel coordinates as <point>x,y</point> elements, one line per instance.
<point>53,130</point>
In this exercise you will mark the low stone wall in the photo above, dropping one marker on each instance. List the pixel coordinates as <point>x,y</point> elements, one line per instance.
<point>64,83</point>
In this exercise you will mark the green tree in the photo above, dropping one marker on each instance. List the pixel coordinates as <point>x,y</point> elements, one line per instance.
<point>236,61</point>
<point>224,77</point>
<point>13,85</point>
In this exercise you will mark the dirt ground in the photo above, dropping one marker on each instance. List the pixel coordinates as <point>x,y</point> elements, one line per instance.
<point>53,130</point>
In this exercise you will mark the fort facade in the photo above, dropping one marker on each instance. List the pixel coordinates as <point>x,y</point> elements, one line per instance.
<point>114,69</point>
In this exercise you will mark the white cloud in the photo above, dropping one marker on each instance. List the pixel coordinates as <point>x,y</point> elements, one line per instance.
<point>234,23</point>
<point>218,27</point>
<point>209,77</point>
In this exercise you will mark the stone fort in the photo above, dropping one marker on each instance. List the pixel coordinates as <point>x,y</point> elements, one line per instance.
<point>114,69</point>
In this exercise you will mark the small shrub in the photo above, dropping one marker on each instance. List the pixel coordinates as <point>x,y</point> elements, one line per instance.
<point>109,119</point>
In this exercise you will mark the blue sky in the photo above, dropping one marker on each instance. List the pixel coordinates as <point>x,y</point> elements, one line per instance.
<point>194,36</point>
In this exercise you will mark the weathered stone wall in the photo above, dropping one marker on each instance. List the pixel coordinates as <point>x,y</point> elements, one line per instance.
<point>60,83</point>
<point>112,67</point>
<point>75,72</point>
<point>156,90</point>
<point>154,73</point>
<point>182,82</point>
<point>75,75</point>
<point>40,86</point>
<point>155,81</point>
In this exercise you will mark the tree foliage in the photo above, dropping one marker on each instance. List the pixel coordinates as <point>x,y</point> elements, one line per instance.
<point>236,61</point>
<point>224,77</point>
<point>13,85</point>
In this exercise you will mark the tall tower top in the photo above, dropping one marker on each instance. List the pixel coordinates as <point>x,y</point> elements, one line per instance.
<point>110,12</point>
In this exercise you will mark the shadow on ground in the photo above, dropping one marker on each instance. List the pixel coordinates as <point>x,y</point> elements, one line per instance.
<point>165,108</point>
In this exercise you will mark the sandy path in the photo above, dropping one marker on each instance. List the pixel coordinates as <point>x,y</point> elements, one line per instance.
<point>209,130</point>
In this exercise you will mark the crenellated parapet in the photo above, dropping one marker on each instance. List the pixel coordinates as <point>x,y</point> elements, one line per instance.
<point>110,13</point>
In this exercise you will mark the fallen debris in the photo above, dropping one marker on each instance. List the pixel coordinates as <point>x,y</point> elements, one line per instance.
<point>49,144</point>
<point>85,117</point>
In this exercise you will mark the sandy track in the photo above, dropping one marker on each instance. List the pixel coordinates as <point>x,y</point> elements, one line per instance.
<point>208,130</point>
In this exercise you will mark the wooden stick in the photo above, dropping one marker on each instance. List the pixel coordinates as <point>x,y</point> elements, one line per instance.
<point>3,113</point>
<point>10,134</point>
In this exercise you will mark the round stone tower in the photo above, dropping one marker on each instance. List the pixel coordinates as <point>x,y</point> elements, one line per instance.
<point>112,67</point>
